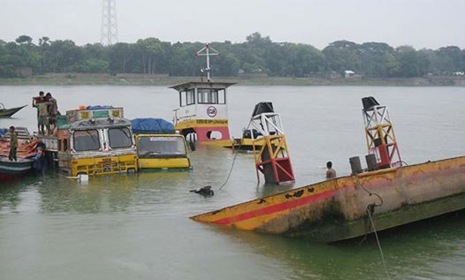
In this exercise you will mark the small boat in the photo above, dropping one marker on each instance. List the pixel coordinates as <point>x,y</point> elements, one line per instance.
<point>26,150</point>
<point>6,113</point>
<point>13,169</point>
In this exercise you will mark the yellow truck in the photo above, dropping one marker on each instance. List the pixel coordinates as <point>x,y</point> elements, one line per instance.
<point>158,146</point>
<point>95,141</point>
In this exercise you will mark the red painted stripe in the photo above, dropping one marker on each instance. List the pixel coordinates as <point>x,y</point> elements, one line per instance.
<point>274,208</point>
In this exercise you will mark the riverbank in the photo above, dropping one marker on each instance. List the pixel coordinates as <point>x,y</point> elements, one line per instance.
<point>103,79</point>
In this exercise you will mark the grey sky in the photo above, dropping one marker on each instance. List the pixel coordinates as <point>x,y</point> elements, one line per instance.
<point>419,23</point>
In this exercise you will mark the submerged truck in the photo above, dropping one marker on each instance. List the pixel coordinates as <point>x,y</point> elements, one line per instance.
<point>159,147</point>
<point>95,140</point>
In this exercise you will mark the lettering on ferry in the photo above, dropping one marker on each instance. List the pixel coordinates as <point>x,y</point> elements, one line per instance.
<point>212,121</point>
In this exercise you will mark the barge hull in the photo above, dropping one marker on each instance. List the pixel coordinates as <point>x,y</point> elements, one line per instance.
<point>336,209</point>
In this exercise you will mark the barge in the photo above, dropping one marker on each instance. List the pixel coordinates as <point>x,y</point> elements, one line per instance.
<point>341,208</point>
<point>385,195</point>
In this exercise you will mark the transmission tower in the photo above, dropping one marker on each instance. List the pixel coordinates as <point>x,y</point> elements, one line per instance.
<point>109,31</point>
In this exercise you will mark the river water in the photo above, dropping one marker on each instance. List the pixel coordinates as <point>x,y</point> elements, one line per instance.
<point>137,226</point>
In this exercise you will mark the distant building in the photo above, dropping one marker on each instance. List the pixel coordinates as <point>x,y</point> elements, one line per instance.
<point>23,72</point>
<point>349,74</point>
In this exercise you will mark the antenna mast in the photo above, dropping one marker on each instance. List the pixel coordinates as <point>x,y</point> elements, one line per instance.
<point>109,29</point>
<point>207,51</point>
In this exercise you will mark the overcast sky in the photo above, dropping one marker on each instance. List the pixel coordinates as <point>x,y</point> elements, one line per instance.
<point>419,23</point>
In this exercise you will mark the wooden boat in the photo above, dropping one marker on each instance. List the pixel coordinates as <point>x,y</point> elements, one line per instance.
<point>26,150</point>
<point>6,113</point>
<point>347,207</point>
<point>14,169</point>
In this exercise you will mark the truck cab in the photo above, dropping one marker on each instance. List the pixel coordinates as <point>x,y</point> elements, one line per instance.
<point>159,147</point>
<point>96,142</point>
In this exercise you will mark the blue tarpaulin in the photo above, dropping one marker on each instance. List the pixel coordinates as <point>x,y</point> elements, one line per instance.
<point>3,131</point>
<point>98,107</point>
<point>151,125</point>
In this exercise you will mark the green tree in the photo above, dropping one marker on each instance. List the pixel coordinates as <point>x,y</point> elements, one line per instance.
<point>24,39</point>
<point>342,55</point>
<point>412,63</point>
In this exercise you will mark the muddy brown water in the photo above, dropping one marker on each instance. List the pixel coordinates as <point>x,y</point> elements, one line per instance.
<point>137,226</point>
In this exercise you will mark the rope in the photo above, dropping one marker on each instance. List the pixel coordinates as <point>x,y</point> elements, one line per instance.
<point>370,193</point>
<point>233,162</point>
<point>369,209</point>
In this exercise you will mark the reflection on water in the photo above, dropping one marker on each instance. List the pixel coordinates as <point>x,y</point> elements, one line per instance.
<point>136,226</point>
<point>425,250</point>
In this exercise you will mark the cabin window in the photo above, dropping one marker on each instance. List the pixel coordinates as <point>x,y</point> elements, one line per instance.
<point>186,97</point>
<point>211,96</point>
<point>221,96</point>
<point>190,97</point>
<point>120,138</point>
<point>182,99</point>
<point>161,146</point>
<point>86,140</point>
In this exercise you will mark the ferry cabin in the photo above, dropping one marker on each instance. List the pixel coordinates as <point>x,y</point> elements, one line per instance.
<point>96,142</point>
<point>202,113</point>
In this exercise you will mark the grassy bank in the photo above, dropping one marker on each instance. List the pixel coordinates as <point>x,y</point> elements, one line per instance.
<point>81,79</point>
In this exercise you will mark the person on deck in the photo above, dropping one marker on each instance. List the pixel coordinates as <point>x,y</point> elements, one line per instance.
<point>36,100</point>
<point>330,172</point>
<point>13,144</point>
<point>42,109</point>
<point>52,108</point>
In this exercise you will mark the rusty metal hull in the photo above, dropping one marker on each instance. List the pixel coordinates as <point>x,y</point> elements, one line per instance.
<point>337,209</point>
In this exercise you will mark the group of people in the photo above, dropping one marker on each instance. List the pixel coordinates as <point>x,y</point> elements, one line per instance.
<point>47,112</point>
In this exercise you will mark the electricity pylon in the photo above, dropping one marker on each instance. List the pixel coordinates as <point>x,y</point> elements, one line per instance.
<point>109,30</point>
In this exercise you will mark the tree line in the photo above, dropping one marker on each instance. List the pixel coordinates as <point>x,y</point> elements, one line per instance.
<point>257,55</point>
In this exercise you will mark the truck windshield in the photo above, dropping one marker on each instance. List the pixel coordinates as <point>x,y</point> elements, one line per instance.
<point>86,140</point>
<point>155,146</point>
<point>120,137</point>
